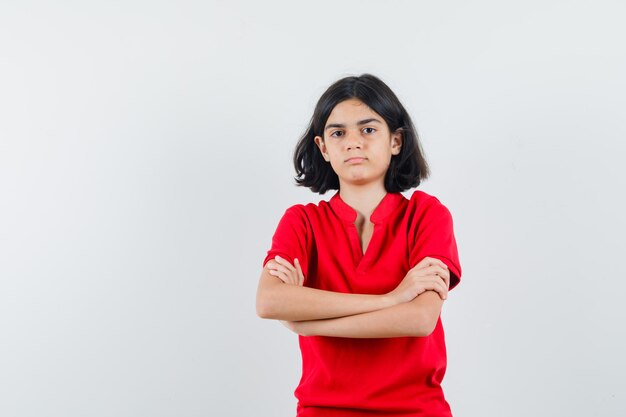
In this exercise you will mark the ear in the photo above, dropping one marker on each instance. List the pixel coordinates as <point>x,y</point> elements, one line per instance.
<point>322,146</point>
<point>396,141</point>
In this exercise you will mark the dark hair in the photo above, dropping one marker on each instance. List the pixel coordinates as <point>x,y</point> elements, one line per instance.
<point>406,170</point>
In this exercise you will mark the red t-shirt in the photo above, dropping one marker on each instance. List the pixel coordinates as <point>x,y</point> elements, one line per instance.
<point>364,377</point>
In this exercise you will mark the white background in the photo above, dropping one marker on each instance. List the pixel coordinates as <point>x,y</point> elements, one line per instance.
<point>145,159</point>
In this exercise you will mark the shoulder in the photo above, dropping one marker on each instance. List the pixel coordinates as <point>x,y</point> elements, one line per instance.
<point>307,213</point>
<point>308,210</point>
<point>423,204</point>
<point>297,210</point>
<point>294,216</point>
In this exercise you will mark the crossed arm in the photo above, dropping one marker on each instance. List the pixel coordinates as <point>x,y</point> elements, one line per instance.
<point>411,309</point>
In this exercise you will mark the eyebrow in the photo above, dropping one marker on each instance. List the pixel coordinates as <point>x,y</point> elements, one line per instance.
<point>359,123</point>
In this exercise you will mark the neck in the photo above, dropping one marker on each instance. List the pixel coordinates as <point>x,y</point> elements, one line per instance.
<point>363,199</point>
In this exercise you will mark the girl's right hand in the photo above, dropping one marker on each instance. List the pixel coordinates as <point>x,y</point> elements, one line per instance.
<point>428,274</point>
<point>287,273</point>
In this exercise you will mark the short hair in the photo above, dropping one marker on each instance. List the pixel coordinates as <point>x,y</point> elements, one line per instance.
<point>406,170</point>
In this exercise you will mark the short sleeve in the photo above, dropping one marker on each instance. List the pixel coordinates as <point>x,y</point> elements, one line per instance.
<point>432,235</point>
<point>291,238</point>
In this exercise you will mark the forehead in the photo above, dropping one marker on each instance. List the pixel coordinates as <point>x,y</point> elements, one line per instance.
<point>351,111</point>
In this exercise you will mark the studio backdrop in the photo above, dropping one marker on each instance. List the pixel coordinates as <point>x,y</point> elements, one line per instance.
<point>145,160</point>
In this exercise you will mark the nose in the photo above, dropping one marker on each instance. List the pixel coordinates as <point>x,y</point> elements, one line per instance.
<point>353,140</point>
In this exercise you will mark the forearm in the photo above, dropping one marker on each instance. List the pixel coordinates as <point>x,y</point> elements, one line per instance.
<point>280,301</point>
<point>415,318</point>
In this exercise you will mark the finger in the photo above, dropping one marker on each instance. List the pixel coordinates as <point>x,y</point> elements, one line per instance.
<point>445,281</point>
<point>281,276</point>
<point>300,274</point>
<point>438,262</point>
<point>437,284</point>
<point>422,264</point>
<point>283,269</point>
<point>428,261</point>
<point>285,263</point>
<point>285,275</point>
<point>436,269</point>
<point>425,269</point>
<point>288,268</point>
<point>440,289</point>
<point>281,260</point>
<point>430,270</point>
<point>444,290</point>
<point>444,274</point>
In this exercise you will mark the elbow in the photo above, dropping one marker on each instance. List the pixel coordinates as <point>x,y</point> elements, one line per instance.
<point>265,308</point>
<point>268,297</point>
<point>264,311</point>
<point>425,325</point>
<point>428,329</point>
<point>426,312</point>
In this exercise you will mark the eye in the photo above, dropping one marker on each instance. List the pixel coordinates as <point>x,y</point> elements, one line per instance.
<point>369,130</point>
<point>337,133</point>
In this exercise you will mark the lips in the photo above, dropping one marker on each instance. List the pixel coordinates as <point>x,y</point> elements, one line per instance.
<point>355,160</point>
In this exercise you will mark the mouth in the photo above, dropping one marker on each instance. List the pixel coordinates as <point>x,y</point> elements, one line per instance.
<point>355,160</point>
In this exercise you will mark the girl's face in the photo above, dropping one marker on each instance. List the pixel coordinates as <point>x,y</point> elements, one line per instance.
<point>358,144</point>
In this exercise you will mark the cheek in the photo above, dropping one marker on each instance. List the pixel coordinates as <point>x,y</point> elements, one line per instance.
<point>334,165</point>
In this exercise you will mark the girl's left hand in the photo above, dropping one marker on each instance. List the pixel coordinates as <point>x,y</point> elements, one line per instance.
<point>287,273</point>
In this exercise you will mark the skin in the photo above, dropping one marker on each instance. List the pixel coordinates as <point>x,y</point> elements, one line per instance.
<point>359,146</point>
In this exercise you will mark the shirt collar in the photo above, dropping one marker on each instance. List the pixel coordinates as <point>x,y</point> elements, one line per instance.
<point>386,206</point>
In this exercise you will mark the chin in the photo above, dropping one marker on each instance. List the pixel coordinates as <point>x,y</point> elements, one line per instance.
<point>359,181</point>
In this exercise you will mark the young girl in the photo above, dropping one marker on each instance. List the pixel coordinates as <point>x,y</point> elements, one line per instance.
<point>362,277</point>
